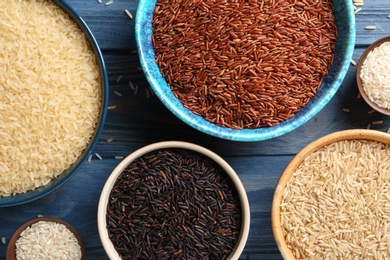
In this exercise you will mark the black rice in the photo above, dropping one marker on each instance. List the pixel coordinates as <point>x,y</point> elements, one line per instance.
<point>174,204</point>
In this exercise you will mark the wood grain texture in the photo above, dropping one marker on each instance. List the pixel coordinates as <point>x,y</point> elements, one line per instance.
<point>140,119</point>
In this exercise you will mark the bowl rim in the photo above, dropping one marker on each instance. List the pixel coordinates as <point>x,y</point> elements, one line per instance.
<point>351,134</point>
<point>154,77</point>
<point>31,195</point>
<point>359,82</point>
<point>104,196</point>
<point>11,247</point>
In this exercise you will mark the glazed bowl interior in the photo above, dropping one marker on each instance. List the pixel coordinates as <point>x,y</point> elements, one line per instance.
<point>359,80</point>
<point>11,248</point>
<point>31,195</point>
<point>345,21</point>
<point>358,134</point>
<point>105,194</point>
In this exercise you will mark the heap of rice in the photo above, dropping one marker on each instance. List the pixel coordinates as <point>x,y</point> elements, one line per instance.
<point>50,94</point>
<point>337,203</point>
<point>47,240</point>
<point>375,75</point>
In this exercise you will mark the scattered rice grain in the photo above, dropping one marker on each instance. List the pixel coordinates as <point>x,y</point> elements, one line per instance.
<point>119,78</point>
<point>118,157</point>
<point>131,85</point>
<point>353,62</point>
<point>346,110</point>
<point>3,240</point>
<point>111,107</point>
<point>110,2</point>
<point>371,111</point>
<point>379,122</point>
<point>128,14</point>
<point>358,10</point>
<point>109,140</point>
<point>359,4</point>
<point>119,94</point>
<point>371,27</point>
<point>89,158</point>
<point>98,156</point>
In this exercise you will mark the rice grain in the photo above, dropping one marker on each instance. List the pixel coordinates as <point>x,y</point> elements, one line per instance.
<point>47,240</point>
<point>98,156</point>
<point>50,94</point>
<point>371,27</point>
<point>336,204</point>
<point>249,68</point>
<point>128,14</point>
<point>375,77</point>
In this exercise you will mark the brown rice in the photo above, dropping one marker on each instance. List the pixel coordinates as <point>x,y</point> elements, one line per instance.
<point>337,203</point>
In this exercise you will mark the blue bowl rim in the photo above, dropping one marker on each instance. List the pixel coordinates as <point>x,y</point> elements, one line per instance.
<point>154,77</point>
<point>39,192</point>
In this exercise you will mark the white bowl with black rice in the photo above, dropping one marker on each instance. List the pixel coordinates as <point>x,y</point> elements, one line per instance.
<point>173,200</point>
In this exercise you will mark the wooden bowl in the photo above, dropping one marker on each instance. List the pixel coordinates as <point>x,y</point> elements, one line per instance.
<point>358,134</point>
<point>11,248</point>
<point>359,80</point>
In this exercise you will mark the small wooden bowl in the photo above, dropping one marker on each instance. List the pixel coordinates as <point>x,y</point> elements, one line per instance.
<point>359,80</point>
<point>356,134</point>
<point>11,248</point>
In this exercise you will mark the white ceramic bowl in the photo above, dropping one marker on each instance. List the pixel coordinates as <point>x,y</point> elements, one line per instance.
<point>105,194</point>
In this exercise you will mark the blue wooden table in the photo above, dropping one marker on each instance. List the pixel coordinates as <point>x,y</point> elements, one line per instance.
<point>139,118</point>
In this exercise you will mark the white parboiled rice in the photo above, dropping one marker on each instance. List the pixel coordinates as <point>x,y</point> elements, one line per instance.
<point>375,75</point>
<point>337,203</point>
<point>50,94</point>
<point>47,240</point>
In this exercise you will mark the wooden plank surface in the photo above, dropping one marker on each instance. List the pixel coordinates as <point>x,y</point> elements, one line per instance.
<point>140,119</point>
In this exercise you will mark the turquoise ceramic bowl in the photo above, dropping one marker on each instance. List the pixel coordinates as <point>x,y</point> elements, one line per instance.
<point>31,195</point>
<point>345,21</point>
